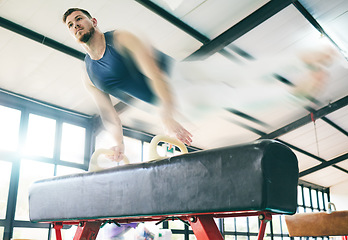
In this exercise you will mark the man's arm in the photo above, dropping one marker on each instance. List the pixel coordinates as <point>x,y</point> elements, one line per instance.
<point>144,58</point>
<point>109,116</point>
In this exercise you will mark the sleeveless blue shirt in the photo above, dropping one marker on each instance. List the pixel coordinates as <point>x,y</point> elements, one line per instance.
<point>117,73</point>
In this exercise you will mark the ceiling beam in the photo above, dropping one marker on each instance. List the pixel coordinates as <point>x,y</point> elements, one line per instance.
<point>14,27</point>
<point>253,20</point>
<point>174,20</point>
<point>334,125</point>
<point>307,119</point>
<point>189,30</point>
<point>311,155</point>
<point>315,24</point>
<point>324,165</point>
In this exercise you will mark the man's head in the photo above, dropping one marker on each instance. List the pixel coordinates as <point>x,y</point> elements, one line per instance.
<point>80,24</point>
<point>71,10</point>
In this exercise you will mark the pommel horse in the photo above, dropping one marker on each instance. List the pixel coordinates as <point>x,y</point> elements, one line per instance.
<point>255,179</point>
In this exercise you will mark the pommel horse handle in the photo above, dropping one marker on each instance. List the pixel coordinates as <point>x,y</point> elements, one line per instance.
<point>94,163</point>
<point>153,154</point>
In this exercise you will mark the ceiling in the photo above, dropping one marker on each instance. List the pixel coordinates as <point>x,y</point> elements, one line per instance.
<point>40,60</point>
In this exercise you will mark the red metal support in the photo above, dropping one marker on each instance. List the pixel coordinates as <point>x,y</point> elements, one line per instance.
<point>87,230</point>
<point>204,228</point>
<point>265,218</point>
<point>203,225</point>
<point>57,227</point>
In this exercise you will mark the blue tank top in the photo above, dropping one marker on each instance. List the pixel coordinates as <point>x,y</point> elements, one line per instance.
<point>117,73</point>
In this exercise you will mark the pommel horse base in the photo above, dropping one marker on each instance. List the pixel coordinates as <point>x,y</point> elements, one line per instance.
<point>256,179</point>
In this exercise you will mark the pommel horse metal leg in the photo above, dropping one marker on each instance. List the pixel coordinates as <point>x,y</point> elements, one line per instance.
<point>264,217</point>
<point>204,227</point>
<point>85,230</point>
<point>57,227</point>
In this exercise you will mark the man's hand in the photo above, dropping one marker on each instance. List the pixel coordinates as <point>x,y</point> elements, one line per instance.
<point>174,129</point>
<point>118,153</point>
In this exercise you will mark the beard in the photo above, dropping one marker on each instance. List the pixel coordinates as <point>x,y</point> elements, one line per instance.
<point>84,38</point>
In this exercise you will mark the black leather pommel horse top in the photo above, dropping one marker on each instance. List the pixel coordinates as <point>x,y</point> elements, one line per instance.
<point>258,178</point>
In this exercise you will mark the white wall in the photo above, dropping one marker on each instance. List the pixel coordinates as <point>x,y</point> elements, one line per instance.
<point>339,195</point>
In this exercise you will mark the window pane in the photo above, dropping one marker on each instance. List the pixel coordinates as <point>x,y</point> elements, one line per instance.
<point>191,237</point>
<point>30,171</point>
<point>40,138</point>
<point>104,140</point>
<point>132,149</point>
<point>229,237</point>
<point>30,233</point>
<point>67,234</point>
<point>5,175</point>
<point>321,204</point>
<point>9,128</point>
<point>179,237</point>
<point>284,227</point>
<point>253,237</point>
<point>1,232</point>
<point>276,224</point>
<point>239,237</point>
<point>326,201</point>
<point>306,196</point>
<point>241,224</point>
<point>314,198</point>
<point>63,170</point>
<point>268,228</point>
<point>300,210</point>
<point>229,224</point>
<point>299,195</point>
<point>254,224</point>
<point>73,143</point>
<point>146,151</point>
<point>176,225</point>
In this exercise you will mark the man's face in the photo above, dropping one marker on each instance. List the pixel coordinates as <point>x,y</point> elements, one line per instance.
<point>80,26</point>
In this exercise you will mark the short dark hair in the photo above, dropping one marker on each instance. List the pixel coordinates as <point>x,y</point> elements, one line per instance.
<point>71,10</point>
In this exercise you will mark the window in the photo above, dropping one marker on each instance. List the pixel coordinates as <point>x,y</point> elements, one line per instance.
<point>30,233</point>
<point>133,149</point>
<point>229,224</point>
<point>40,136</point>
<point>63,170</point>
<point>30,171</point>
<point>5,175</point>
<point>176,225</point>
<point>73,143</point>
<point>179,237</point>
<point>247,228</point>
<point>146,151</point>
<point>312,200</point>
<point>9,128</point>
<point>30,145</point>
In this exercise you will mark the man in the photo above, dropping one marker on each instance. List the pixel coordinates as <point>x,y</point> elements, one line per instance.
<point>118,61</point>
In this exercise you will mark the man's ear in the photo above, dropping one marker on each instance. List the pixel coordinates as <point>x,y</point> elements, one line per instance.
<point>94,21</point>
